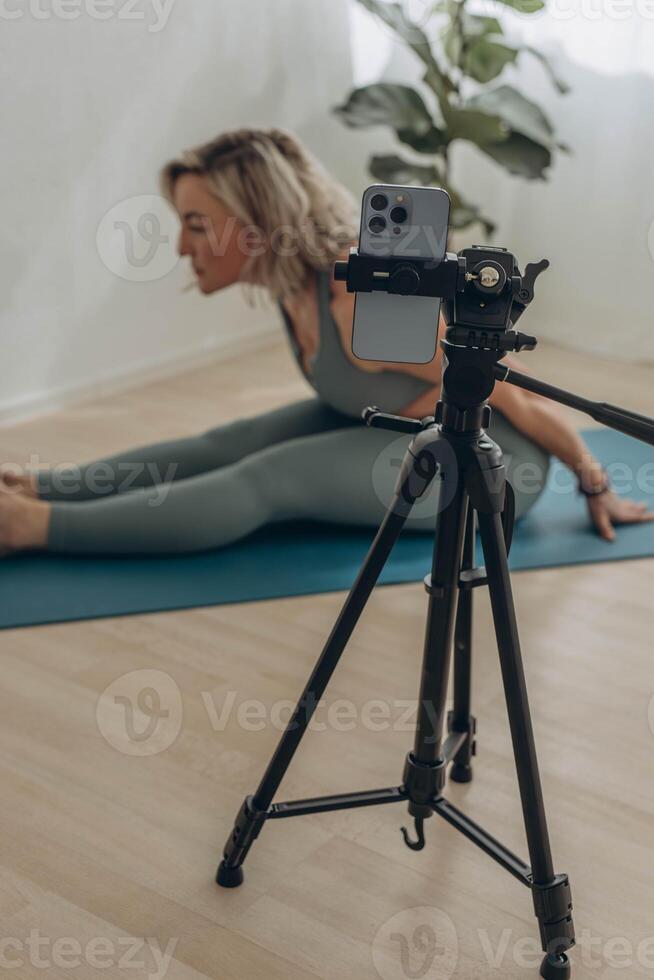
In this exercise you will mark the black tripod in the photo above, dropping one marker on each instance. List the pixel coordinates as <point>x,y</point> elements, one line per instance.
<point>473,488</point>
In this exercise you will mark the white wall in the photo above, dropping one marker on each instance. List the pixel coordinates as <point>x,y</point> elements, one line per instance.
<point>92,109</point>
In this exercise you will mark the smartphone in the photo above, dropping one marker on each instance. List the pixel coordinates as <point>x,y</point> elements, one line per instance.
<point>404,222</point>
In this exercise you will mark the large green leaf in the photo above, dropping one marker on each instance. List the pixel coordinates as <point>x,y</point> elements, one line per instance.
<point>519,114</point>
<point>453,45</point>
<point>393,15</point>
<point>486,59</point>
<point>385,103</point>
<point>398,106</point>
<point>524,6</point>
<point>449,7</point>
<point>558,82</point>
<point>432,141</point>
<point>392,169</point>
<point>475,125</point>
<point>469,27</point>
<point>475,25</point>
<point>521,156</point>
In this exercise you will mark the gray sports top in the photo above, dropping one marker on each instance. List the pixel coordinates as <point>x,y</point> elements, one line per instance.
<point>338,381</point>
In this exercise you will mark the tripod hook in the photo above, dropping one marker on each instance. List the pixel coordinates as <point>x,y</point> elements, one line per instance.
<point>420,842</point>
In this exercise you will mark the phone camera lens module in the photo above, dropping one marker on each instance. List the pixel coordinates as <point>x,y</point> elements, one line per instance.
<point>399,216</point>
<point>378,202</point>
<point>377,224</point>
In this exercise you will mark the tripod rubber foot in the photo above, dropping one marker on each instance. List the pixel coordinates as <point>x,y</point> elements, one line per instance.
<point>460,773</point>
<point>229,877</point>
<point>556,968</point>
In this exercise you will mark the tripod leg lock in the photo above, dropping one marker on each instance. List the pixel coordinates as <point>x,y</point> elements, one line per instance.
<point>247,828</point>
<point>423,784</point>
<point>461,771</point>
<point>553,907</point>
<point>469,727</point>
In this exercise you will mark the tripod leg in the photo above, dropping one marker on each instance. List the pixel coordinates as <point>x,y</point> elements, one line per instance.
<point>414,480</point>
<point>425,768</point>
<point>443,590</point>
<point>460,718</point>
<point>551,892</point>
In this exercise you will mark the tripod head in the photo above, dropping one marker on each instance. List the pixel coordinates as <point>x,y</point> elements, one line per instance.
<point>494,295</point>
<point>480,320</point>
<point>482,289</point>
<point>483,294</point>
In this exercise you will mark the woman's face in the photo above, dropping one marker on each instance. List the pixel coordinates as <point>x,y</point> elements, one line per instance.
<point>209,234</point>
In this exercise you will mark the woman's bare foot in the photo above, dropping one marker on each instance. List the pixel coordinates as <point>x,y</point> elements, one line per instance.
<point>24,522</point>
<point>24,483</point>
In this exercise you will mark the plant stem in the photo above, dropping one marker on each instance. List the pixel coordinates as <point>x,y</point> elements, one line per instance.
<point>446,164</point>
<point>458,27</point>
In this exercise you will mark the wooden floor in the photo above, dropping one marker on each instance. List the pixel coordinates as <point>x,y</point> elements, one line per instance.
<point>100,842</point>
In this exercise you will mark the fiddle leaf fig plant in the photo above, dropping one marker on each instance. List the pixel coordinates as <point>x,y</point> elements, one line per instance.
<point>462,98</point>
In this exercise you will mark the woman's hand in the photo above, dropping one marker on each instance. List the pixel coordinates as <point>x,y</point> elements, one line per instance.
<point>18,482</point>
<point>607,509</point>
<point>544,422</point>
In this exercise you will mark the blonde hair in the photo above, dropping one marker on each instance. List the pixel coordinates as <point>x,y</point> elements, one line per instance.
<point>266,178</point>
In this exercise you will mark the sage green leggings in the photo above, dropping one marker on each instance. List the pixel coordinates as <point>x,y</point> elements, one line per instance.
<point>302,461</point>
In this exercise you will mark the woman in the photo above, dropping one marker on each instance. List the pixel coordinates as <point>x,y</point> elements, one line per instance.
<point>255,207</point>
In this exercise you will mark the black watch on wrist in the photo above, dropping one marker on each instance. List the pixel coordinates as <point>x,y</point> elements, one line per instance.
<point>596,491</point>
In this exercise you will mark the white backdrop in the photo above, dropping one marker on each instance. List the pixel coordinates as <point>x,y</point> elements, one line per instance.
<point>594,219</point>
<point>91,110</point>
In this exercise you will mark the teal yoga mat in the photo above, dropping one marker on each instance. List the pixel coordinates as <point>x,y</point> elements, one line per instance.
<point>301,558</point>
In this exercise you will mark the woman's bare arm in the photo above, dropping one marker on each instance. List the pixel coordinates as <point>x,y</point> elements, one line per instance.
<point>545,422</point>
<point>539,418</point>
